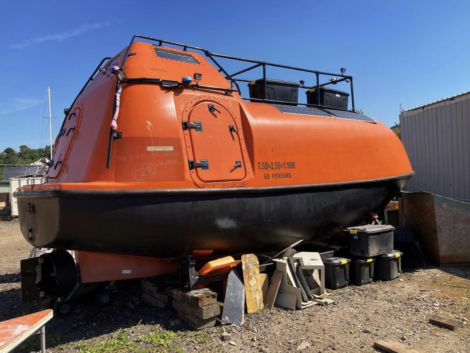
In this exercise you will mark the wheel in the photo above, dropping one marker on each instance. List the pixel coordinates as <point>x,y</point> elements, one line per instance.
<point>63,309</point>
<point>103,298</point>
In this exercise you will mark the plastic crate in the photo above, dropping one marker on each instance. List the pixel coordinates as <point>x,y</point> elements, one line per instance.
<point>328,98</point>
<point>362,270</point>
<point>388,266</point>
<point>370,240</point>
<point>276,90</point>
<point>336,272</point>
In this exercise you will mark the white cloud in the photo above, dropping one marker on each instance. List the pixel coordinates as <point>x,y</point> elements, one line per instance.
<point>19,104</point>
<point>61,36</point>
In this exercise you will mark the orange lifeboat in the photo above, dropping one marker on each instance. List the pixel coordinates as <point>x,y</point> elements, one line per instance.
<point>159,155</point>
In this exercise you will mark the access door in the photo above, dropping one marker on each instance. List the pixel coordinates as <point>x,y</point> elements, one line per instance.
<point>215,140</point>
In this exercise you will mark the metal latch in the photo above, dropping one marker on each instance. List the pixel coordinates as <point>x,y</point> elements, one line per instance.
<point>231,128</point>
<point>203,164</point>
<point>212,108</point>
<point>196,126</point>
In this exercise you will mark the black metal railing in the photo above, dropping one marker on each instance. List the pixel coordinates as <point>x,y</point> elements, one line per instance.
<point>263,64</point>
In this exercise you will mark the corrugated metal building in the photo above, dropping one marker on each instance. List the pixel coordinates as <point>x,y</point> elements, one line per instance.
<point>437,139</point>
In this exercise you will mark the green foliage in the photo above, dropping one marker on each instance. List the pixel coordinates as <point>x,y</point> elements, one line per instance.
<point>117,342</point>
<point>158,338</point>
<point>359,111</point>
<point>24,156</point>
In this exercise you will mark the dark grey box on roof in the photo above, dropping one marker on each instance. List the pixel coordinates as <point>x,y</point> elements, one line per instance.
<point>328,98</point>
<point>276,90</point>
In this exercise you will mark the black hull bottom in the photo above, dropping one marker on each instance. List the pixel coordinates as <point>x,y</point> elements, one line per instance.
<point>168,224</point>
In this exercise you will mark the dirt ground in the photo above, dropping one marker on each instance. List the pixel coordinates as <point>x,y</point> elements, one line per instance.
<point>398,310</point>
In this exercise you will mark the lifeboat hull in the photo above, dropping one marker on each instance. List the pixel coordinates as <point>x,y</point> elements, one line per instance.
<point>171,223</point>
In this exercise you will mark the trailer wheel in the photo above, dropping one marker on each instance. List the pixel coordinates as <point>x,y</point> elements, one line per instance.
<point>104,298</point>
<point>63,308</point>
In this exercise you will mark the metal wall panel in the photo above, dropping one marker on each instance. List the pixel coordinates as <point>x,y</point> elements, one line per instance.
<point>437,140</point>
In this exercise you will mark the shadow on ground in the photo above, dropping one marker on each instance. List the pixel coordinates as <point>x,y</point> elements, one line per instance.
<point>10,278</point>
<point>89,321</point>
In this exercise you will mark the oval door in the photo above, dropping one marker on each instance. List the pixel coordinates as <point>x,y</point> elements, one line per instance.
<point>216,143</point>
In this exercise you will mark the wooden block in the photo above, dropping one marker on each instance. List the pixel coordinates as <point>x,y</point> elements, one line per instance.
<point>163,296</point>
<point>197,323</point>
<point>273,289</point>
<point>153,301</point>
<point>263,279</point>
<point>149,286</point>
<point>393,347</point>
<point>197,297</point>
<point>180,295</point>
<point>203,299</point>
<point>251,279</point>
<point>447,322</point>
<point>205,312</point>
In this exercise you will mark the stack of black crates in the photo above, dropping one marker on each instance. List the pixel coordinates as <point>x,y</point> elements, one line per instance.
<point>373,257</point>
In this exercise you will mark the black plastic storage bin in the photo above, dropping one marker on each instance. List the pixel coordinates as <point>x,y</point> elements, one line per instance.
<point>388,266</point>
<point>276,90</point>
<point>336,272</point>
<point>328,98</point>
<point>370,240</point>
<point>362,270</point>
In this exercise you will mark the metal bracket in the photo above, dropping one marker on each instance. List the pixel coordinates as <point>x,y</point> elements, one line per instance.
<point>203,164</point>
<point>197,126</point>
<point>117,135</point>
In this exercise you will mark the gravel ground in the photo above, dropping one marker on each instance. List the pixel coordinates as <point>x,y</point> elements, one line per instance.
<point>398,310</point>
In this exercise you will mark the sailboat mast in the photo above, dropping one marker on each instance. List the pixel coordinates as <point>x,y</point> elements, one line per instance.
<point>50,117</point>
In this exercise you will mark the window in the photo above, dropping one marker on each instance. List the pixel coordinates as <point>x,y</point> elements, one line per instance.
<point>166,54</point>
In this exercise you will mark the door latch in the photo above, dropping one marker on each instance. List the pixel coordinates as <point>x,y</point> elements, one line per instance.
<point>196,126</point>
<point>213,109</point>
<point>231,128</point>
<point>203,164</point>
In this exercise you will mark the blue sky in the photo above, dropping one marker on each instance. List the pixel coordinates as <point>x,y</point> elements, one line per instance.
<point>399,52</point>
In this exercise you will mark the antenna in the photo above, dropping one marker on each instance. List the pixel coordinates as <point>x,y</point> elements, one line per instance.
<point>50,117</point>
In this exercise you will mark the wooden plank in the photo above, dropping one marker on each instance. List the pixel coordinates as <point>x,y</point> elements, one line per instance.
<point>15,331</point>
<point>273,289</point>
<point>197,297</point>
<point>153,301</point>
<point>163,296</point>
<point>203,299</point>
<point>263,279</point>
<point>447,322</point>
<point>196,323</point>
<point>202,313</point>
<point>393,347</point>
<point>251,279</point>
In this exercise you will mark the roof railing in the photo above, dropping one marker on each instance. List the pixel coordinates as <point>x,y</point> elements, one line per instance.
<point>263,64</point>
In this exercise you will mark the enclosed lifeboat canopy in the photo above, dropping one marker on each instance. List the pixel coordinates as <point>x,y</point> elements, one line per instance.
<point>159,155</point>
